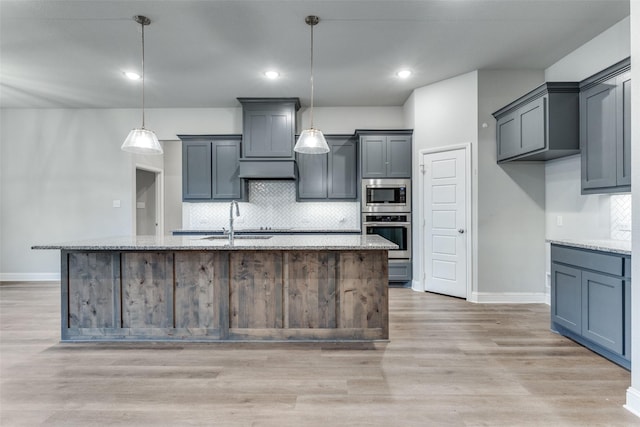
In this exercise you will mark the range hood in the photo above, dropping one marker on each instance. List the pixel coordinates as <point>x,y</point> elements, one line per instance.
<point>267,169</point>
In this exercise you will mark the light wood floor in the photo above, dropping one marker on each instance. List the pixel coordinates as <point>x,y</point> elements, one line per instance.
<point>449,363</point>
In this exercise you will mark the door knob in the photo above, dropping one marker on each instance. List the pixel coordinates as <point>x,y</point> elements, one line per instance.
<point>460,230</point>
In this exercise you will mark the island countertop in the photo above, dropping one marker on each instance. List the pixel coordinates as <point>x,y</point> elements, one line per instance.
<point>241,242</point>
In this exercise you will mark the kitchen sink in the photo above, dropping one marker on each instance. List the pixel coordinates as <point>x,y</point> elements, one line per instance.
<point>239,237</point>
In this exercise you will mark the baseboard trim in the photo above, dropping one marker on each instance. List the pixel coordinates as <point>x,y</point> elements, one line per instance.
<point>633,401</point>
<point>509,297</point>
<point>416,285</point>
<point>29,277</point>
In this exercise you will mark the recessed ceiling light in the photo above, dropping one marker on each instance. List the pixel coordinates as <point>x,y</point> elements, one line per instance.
<point>131,75</point>
<point>271,74</point>
<point>403,74</point>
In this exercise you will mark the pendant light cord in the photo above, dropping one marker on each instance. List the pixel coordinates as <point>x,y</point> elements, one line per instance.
<point>311,110</point>
<point>142,24</point>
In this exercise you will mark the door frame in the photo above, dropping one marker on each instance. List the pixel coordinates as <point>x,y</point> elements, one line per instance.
<point>421,222</point>
<point>159,197</point>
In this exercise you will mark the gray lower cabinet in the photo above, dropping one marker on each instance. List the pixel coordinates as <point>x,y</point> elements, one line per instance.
<point>605,130</point>
<point>331,176</point>
<point>602,297</point>
<point>590,300</point>
<point>566,309</point>
<point>210,167</point>
<point>385,154</point>
<point>541,125</point>
<point>400,270</point>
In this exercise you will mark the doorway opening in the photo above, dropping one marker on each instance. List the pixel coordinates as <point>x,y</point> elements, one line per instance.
<point>148,206</point>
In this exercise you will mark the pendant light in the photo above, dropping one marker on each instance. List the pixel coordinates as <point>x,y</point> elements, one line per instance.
<point>141,140</point>
<point>311,141</point>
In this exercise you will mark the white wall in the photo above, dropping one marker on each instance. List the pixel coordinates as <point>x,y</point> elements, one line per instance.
<point>508,200</point>
<point>633,393</point>
<point>172,186</point>
<point>344,120</point>
<point>582,216</point>
<point>511,247</point>
<point>441,114</point>
<point>62,169</point>
<point>606,48</point>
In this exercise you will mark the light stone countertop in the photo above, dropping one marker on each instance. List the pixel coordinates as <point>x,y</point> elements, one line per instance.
<point>199,242</point>
<point>270,231</point>
<point>606,245</point>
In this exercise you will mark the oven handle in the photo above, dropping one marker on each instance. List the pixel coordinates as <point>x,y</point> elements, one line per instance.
<point>384,224</point>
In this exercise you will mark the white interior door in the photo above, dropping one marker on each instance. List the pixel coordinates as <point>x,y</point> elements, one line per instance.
<point>445,222</point>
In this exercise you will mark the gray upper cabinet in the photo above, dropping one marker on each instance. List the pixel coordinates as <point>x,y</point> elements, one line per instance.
<point>196,169</point>
<point>269,127</point>
<point>342,175</point>
<point>225,161</point>
<point>385,154</point>
<point>312,176</point>
<point>541,125</point>
<point>605,130</point>
<point>331,176</point>
<point>624,130</point>
<point>210,166</point>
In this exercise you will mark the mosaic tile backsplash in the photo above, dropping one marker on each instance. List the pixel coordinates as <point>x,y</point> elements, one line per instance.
<point>621,217</point>
<point>273,204</point>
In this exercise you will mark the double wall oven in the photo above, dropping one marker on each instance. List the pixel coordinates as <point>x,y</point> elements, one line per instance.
<point>386,211</point>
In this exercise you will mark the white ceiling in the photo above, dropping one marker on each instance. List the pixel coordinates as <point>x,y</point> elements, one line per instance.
<point>199,53</point>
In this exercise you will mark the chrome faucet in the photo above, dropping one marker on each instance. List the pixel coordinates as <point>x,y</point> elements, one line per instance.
<point>233,202</point>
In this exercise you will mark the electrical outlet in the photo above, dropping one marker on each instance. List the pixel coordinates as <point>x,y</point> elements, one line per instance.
<point>559,220</point>
<point>116,203</point>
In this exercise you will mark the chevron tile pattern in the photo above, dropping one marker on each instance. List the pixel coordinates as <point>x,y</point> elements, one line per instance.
<point>273,204</point>
<point>621,217</point>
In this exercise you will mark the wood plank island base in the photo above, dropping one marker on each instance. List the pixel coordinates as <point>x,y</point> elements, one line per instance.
<point>181,288</point>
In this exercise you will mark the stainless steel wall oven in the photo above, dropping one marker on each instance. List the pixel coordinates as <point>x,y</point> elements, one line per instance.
<point>395,227</point>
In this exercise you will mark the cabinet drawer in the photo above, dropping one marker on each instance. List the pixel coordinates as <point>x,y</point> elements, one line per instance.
<point>399,271</point>
<point>605,263</point>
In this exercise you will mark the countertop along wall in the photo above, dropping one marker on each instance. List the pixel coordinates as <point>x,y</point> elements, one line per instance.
<point>61,170</point>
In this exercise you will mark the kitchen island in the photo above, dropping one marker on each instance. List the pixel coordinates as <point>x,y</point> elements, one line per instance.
<point>194,288</point>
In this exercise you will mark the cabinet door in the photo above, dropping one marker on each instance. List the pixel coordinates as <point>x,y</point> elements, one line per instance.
<point>627,319</point>
<point>566,297</point>
<point>312,176</point>
<point>399,156</point>
<point>374,156</point>
<point>533,125</point>
<point>342,169</point>
<point>603,310</point>
<point>226,165</point>
<point>196,170</point>
<point>268,132</point>
<point>624,129</point>
<point>598,135</point>
<point>508,136</point>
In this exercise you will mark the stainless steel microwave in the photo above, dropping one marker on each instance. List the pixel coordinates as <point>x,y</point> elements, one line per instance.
<point>386,195</point>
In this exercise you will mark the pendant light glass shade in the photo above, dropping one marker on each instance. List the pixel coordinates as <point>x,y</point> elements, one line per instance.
<point>141,140</point>
<point>311,141</point>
